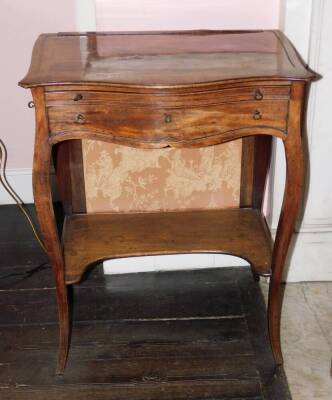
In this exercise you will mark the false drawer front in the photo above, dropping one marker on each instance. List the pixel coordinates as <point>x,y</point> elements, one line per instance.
<point>154,124</point>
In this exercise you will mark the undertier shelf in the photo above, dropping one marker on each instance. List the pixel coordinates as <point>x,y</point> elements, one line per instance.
<point>89,238</point>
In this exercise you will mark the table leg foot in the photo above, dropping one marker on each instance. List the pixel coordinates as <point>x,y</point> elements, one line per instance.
<point>274,321</point>
<point>64,329</point>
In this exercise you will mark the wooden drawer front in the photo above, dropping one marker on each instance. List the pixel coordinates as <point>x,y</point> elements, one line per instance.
<point>147,124</point>
<point>251,93</point>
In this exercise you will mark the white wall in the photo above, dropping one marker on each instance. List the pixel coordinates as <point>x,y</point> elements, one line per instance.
<point>85,15</point>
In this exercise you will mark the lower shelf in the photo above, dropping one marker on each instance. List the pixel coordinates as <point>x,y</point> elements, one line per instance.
<point>89,238</point>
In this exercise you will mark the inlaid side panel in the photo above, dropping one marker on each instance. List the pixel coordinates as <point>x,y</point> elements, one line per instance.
<point>119,178</point>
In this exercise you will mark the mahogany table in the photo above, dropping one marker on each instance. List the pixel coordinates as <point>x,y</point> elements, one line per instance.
<point>158,90</point>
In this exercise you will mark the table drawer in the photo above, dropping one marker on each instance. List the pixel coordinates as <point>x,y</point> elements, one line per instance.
<point>154,124</point>
<point>78,96</point>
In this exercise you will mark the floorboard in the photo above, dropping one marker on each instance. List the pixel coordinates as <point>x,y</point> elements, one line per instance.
<point>176,335</point>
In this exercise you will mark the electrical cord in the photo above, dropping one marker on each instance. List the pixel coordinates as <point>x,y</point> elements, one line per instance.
<point>8,188</point>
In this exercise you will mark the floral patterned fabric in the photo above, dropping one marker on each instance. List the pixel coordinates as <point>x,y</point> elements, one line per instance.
<point>124,179</point>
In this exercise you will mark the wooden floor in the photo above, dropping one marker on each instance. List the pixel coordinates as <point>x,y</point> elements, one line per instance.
<point>171,335</point>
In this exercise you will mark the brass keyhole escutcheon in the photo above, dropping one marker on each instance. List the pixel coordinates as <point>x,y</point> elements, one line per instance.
<point>168,118</point>
<point>78,97</point>
<point>257,115</point>
<point>80,119</point>
<point>258,95</point>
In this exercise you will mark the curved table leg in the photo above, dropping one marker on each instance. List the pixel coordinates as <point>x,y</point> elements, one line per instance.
<point>290,208</point>
<point>46,218</point>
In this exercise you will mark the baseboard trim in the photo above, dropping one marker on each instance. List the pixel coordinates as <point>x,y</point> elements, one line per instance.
<point>310,257</point>
<point>21,181</point>
<point>316,227</point>
<point>171,263</point>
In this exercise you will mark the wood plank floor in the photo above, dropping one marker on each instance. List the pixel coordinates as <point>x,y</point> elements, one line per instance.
<point>171,335</point>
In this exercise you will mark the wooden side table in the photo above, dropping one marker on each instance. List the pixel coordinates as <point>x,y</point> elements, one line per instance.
<point>157,90</point>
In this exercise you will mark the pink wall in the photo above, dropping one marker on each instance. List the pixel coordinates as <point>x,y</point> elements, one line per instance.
<point>187,14</point>
<point>20,24</point>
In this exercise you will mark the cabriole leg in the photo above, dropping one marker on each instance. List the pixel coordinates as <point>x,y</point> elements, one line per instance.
<point>290,208</point>
<point>45,213</point>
